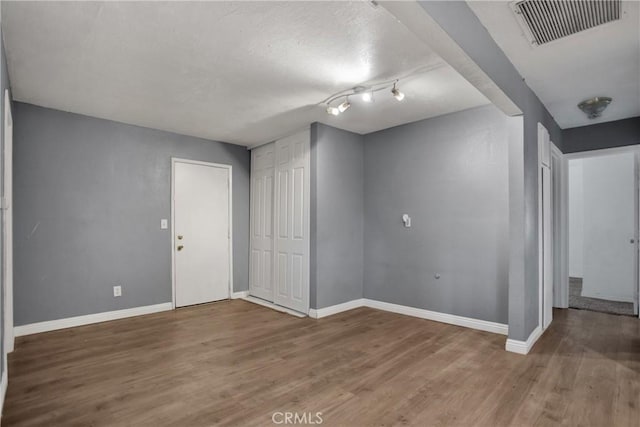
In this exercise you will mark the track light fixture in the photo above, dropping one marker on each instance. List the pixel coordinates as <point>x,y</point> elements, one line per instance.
<point>366,93</point>
<point>344,106</point>
<point>334,111</point>
<point>396,93</point>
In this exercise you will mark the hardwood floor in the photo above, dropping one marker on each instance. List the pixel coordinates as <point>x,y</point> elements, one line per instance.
<point>236,363</point>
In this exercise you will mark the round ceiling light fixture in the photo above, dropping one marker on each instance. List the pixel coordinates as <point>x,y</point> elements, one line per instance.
<point>593,107</point>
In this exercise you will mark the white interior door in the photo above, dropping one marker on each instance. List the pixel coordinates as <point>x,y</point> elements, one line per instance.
<point>7,252</point>
<point>202,232</point>
<point>262,226</point>
<point>609,227</point>
<point>292,188</point>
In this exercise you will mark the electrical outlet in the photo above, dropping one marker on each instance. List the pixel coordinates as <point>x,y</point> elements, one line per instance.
<point>164,224</point>
<point>117,291</point>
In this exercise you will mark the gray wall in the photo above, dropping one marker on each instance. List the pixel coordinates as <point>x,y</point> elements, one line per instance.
<point>337,201</point>
<point>459,21</point>
<point>618,133</point>
<point>4,84</point>
<point>450,174</point>
<point>89,196</point>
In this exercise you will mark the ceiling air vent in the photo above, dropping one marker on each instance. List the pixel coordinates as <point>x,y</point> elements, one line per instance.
<point>549,20</point>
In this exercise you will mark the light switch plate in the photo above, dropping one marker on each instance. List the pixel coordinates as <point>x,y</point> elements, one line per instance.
<point>164,224</point>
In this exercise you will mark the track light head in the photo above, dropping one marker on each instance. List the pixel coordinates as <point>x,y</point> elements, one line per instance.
<point>344,106</point>
<point>333,111</point>
<point>396,93</point>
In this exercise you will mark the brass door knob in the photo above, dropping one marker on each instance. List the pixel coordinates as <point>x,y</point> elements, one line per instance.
<point>180,247</point>
<point>180,237</point>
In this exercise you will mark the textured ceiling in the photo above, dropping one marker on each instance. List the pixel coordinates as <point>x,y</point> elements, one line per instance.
<point>241,72</point>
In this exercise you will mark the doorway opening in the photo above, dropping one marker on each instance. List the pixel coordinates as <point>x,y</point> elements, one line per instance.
<point>603,231</point>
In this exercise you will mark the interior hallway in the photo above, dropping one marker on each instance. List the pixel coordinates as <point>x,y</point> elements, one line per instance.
<point>236,363</point>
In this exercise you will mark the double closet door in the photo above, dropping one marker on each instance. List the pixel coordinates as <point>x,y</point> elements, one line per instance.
<point>280,187</point>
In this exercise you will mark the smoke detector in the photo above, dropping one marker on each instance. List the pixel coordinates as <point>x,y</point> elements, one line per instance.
<point>594,107</point>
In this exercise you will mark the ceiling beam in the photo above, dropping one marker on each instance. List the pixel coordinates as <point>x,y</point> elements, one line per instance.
<point>419,22</point>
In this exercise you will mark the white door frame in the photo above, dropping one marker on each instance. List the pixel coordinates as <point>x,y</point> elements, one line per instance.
<point>229,169</point>
<point>7,206</point>
<point>560,182</point>
<point>635,149</point>
<point>544,151</point>
<point>559,188</point>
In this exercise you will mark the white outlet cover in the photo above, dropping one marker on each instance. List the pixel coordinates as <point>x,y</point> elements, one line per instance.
<point>117,291</point>
<point>164,224</point>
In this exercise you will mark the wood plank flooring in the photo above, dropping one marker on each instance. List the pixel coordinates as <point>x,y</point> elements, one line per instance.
<point>236,363</point>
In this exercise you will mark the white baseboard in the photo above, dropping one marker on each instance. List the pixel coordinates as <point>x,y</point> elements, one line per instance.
<point>4,385</point>
<point>335,309</point>
<point>9,340</point>
<point>273,306</point>
<point>452,319</point>
<point>239,295</point>
<point>467,322</point>
<point>524,347</point>
<point>70,322</point>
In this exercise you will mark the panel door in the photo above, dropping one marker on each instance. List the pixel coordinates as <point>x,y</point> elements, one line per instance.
<point>262,226</point>
<point>292,188</point>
